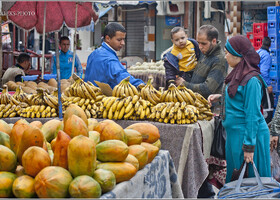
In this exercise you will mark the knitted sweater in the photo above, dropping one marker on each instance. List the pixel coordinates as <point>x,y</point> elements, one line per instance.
<point>209,73</point>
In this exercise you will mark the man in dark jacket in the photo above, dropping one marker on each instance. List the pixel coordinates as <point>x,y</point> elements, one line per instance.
<point>211,69</point>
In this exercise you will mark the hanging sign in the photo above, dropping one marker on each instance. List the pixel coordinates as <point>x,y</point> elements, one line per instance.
<point>172,21</point>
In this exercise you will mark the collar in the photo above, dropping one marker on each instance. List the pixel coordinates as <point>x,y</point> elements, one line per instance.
<point>216,48</point>
<point>264,48</point>
<point>110,47</point>
<point>61,52</point>
<point>19,66</point>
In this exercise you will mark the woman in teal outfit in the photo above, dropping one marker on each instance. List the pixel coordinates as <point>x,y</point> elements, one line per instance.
<point>247,132</point>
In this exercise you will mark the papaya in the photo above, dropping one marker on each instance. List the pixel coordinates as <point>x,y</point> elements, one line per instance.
<point>73,109</point>
<point>23,187</point>
<point>6,184</point>
<point>5,139</point>
<point>132,160</point>
<point>5,127</point>
<point>123,171</point>
<point>21,121</point>
<point>140,153</point>
<point>51,128</point>
<point>52,182</point>
<point>30,137</point>
<point>74,126</point>
<point>151,149</point>
<point>34,159</point>
<point>157,144</point>
<point>84,187</point>
<point>95,136</point>
<point>8,159</point>
<point>81,155</point>
<point>133,136</point>
<point>53,143</point>
<point>91,123</point>
<point>110,130</point>
<point>60,150</point>
<point>16,135</point>
<point>20,171</point>
<point>37,124</point>
<point>149,132</point>
<point>106,179</point>
<point>111,151</point>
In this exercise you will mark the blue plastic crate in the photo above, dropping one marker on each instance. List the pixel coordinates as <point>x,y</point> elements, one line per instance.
<point>275,42</point>
<point>275,56</point>
<point>49,76</point>
<point>29,78</point>
<point>273,13</point>
<point>273,28</point>
<point>274,71</point>
<point>275,83</point>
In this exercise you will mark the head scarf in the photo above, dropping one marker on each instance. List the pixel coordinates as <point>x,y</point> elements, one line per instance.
<point>241,46</point>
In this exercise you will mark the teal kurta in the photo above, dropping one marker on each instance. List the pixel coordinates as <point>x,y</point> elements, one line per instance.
<point>245,124</point>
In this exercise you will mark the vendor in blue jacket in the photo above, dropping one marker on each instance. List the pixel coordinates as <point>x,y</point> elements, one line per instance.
<point>181,58</point>
<point>66,60</point>
<point>103,64</point>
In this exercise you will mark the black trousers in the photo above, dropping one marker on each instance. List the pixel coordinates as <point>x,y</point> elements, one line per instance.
<point>206,190</point>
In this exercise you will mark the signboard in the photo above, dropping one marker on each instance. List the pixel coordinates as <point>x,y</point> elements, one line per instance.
<point>6,38</point>
<point>172,21</point>
<point>5,28</point>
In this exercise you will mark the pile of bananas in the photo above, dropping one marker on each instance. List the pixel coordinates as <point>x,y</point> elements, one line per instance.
<point>148,92</point>
<point>9,110</point>
<point>125,108</point>
<point>38,111</point>
<point>125,88</point>
<point>6,98</point>
<point>174,94</point>
<point>170,112</point>
<point>21,96</point>
<point>83,89</point>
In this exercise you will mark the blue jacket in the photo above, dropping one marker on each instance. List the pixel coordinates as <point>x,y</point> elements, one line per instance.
<point>66,60</point>
<point>265,65</point>
<point>103,65</point>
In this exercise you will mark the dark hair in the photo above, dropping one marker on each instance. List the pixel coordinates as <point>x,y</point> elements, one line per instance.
<point>112,28</point>
<point>176,29</point>
<point>266,42</point>
<point>63,38</point>
<point>23,57</point>
<point>210,31</point>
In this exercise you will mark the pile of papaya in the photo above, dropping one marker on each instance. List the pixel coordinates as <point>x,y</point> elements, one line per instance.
<point>77,157</point>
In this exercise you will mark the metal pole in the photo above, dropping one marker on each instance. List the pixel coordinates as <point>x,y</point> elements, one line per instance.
<point>44,36</point>
<point>75,39</point>
<point>58,76</point>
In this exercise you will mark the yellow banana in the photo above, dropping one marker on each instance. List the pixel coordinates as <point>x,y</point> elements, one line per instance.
<point>116,114</point>
<point>163,96</point>
<point>135,99</point>
<point>81,102</point>
<point>115,104</point>
<point>121,114</point>
<point>120,104</point>
<point>127,115</point>
<point>163,113</point>
<point>147,111</point>
<point>105,114</point>
<point>110,103</point>
<point>127,100</point>
<point>128,107</point>
<point>134,89</point>
<point>142,113</point>
<point>90,90</point>
<point>130,91</point>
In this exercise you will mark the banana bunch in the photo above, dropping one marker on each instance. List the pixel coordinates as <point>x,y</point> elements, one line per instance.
<point>204,108</point>
<point>173,94</point>
<point>82,89</point>
<point>38,111</point>
<point>9,110</point>
<point>187,94</point>
<point>21,96</point>
<point>124,88</point>
<point>118,108</point>
<point>148,92</point>
<point>142,109</point>
<point>6,98</point>
<point>171,112</point>
<point>87,105</point>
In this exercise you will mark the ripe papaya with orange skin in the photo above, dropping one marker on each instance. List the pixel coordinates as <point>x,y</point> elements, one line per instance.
<point>23,187</point>
<point>60,150</point>
<point>84,187</point>
<point>132,160</point>
<point>51,128</point>
<point>73,109</point>
<point>37,124</point>
<point>5,139</point>
<point>75,126</point>
<point>8,159</point>
<point>150,132</point>
<point>81,155</point>
<point>5,127</point>
<point>110,130</point>
<point>34,159</point>
<point>6,184</point>
<point>30,137</point>
<point>123,171</point>
<point>52,182</point>
<point>140,153</point>
<point>133,137</point>
<point>16,135</point>
<point>151,149</point>
<point>105,178</point>
<point>111,151</point>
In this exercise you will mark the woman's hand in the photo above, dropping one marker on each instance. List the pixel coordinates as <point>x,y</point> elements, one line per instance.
<point>179,81</point>
<point>273,142</point>
<point>248,157</point>
<point>214,98</point>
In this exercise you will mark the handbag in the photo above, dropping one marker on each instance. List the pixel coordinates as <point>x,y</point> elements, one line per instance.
<point>236,172</point>
<point>255,187</point>
<point>275,165</point>
<point>218,148</point>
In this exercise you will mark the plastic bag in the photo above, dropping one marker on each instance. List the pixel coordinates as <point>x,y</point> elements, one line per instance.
<point>275,165</point>
<point>218,147</point>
